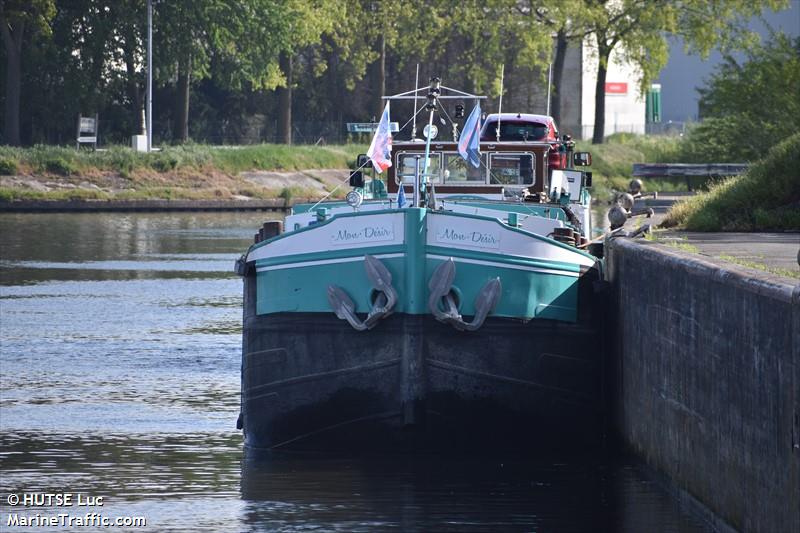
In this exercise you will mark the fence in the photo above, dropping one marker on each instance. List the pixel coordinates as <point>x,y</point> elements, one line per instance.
<point>256,130</point>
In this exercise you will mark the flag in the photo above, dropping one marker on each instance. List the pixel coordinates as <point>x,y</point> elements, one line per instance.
<point>401,197</point>
<point>380,150</point>
<point>469,142</point>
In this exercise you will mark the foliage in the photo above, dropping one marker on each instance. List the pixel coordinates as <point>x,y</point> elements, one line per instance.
<point>749,105</point>
<point>8,167</point>
<point>60,166</point>
<point>91,54</point>
<point>766,197</point>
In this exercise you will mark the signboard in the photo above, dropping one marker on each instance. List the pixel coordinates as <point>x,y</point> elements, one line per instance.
<point>87,131</point>
<point>617,87</point>
<point>370,127</point>
<point>87,125</point>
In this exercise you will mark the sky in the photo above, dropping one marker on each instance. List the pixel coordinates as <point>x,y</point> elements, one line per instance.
<point>685,73</point>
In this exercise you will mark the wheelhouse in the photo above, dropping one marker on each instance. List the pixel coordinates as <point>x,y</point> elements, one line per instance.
<point>507,167</point>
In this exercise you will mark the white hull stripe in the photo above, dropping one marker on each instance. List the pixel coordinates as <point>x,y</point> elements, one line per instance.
<point>303,264</point>
<point>355,259</point>
<point>506,265</point>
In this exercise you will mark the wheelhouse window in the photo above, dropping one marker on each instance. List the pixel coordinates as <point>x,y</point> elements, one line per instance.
<point>458,171</point>
<point>511,168</point>
<point>406,167</point>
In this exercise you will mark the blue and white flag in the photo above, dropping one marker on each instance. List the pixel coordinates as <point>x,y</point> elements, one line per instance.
<point>380,150</point>
<point>469,143</point>
<point>401,197</point>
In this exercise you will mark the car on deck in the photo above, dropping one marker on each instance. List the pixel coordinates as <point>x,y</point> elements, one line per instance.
<point>527,127</point>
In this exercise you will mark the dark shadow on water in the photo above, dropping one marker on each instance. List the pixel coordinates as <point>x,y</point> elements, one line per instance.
<point>562,492</point>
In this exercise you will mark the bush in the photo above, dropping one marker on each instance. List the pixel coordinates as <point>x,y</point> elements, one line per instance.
<point>164,162</point>
<point>748,107</point>
<point>286,194</point>
<point>8,167</point>
<point>60,166</point>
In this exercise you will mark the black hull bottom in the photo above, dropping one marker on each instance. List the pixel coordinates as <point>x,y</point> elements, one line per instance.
<point>309,381</point>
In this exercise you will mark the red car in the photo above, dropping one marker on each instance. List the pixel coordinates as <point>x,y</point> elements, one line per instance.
<point>526,127</point>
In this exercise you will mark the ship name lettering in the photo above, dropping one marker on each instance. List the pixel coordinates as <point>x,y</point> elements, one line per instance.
<point>484,238</point>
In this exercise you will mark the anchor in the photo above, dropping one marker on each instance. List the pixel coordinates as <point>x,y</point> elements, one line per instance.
<point>440,286</point>
<point>384,303</point>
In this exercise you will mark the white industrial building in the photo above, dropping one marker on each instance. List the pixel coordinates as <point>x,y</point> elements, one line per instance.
<point>625,105</point>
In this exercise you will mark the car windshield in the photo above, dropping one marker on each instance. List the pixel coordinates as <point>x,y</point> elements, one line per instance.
<point>516,131</point>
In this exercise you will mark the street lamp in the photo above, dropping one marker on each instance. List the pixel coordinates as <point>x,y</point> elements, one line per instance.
<point>149,75</point>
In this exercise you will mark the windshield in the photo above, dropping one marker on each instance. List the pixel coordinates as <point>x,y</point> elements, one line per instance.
<point>516,131</point>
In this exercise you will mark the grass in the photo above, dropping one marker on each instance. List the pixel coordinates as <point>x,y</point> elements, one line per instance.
<point>612,163</point>
<point>190,170</point>
<point>683,246</point>
<point>63,161</point>
<point>766,197</point>
<point>761,266</point>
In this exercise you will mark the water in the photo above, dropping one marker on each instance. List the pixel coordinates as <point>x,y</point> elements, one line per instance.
<point>119,378</point>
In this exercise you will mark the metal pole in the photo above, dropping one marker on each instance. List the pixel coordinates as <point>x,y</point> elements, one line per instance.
<point>149,75</point>
<point>417,179</point>
<point>414,126</point>
<point>500,108</point>
<point>549,83</point>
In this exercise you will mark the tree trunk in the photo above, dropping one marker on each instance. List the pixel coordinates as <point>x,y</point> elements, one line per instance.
<point>182,101</point>
<point>598,135</point>
<point>558,74</point>
<point>285,101</point>
<point>13,42</point>
<point>381,85</point>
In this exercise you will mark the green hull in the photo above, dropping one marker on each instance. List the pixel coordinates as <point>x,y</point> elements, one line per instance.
<point>539,281</point>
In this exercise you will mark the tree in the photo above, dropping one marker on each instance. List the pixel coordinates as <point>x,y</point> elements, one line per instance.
<point>737,124</point>
<point>16,18</point>
<point>306,21</point>
<point>564,18</point>
<point>638,29</point>
<point>241,40</point>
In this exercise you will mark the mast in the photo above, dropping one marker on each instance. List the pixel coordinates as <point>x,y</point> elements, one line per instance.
<point>414,126</point>
<point>500,107</point>
<point>433,94</point>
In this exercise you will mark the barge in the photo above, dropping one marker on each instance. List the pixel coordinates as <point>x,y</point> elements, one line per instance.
<point>452,296</point>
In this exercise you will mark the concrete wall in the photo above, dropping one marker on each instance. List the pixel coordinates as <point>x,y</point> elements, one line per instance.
<point>707,370</point>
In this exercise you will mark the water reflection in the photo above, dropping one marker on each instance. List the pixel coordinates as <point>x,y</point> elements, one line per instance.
<point>119,377</point>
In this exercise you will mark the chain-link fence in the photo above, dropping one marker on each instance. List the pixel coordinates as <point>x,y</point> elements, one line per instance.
<point>257,129</point>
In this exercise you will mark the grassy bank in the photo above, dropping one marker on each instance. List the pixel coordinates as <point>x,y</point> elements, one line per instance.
<point>62,161</point>
<point>213,172</point>
<point>767,197</point>
<point>180,172</point>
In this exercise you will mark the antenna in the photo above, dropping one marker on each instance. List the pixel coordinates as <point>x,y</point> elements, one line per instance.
<point>500,107</point>
<point>414,126</point>
<point>549,83</point>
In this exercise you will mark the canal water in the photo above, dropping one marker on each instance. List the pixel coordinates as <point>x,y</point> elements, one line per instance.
<point>119,380</point>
